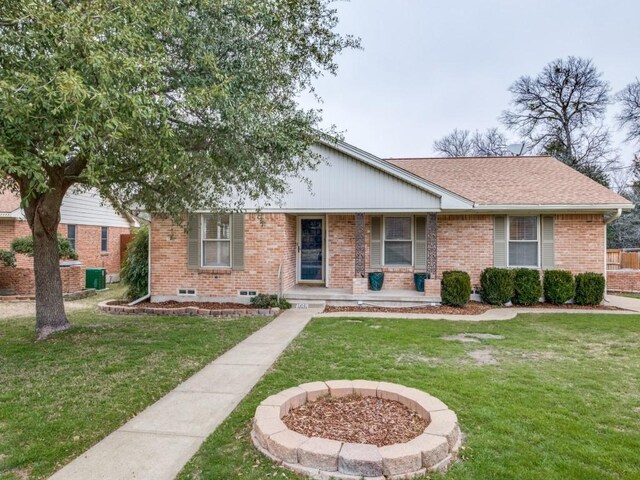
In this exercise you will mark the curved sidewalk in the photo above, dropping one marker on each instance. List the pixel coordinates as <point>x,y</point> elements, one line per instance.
<point>160,440</point>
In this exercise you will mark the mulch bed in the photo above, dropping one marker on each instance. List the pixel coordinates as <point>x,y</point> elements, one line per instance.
<point>471,308</point>
<point>174,304</point>
<point>356,419</point>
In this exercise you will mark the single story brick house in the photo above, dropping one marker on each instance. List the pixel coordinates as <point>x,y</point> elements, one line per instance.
<point>397,216</point>
<point>92,225</point>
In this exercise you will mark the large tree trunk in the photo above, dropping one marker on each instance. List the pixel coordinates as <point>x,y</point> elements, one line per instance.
<point>43,215</point>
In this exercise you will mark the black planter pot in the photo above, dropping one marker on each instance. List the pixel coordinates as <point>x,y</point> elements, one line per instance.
<point>376,279</point>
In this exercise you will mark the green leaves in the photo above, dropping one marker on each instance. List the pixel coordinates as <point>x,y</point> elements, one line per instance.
<point>165,104</point>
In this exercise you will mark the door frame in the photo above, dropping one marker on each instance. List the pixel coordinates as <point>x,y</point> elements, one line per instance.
<point>323,218</point>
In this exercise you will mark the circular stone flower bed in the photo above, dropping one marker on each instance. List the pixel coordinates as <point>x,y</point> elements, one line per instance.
<point>354,429</point>
<point>173,308</point>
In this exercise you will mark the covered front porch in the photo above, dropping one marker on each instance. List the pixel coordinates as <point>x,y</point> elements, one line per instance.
<point>344,296</point>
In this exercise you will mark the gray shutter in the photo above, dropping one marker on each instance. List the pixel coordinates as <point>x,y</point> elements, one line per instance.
<point>420,243</point>
<point>237,241</point>
<point>193,245</point>
<point>548,257</point>
<point>375,250</point>
<point>499,241</point>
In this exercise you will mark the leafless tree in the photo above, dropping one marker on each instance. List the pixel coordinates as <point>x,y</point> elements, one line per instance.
<point>561,112</point>
<point>629,117</point>
<point>463,143</point>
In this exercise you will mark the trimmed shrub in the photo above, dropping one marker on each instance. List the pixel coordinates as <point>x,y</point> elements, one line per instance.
<point>263,300</point>
<point>496,285</point>
<point>7,258</point>
<point>456,288</point>
<point>527,287</point>
<point>559,286</point>
<point>135,270</point>
<point>24,245</point>
<point>589,288</point>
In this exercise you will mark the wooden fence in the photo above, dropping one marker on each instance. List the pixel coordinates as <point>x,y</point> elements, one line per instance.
<point>622,260</point>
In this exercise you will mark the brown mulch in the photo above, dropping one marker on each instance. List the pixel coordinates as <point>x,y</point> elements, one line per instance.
<point>471,308</point>
<point>174,304</point>
<point>356,419</point>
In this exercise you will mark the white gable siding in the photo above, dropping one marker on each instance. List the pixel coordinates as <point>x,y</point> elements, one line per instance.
<point>87,208</point>
<point>345,184</point>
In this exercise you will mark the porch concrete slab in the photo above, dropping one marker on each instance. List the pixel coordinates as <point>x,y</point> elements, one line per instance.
<point>129,455</point>
<point>184,413</point>
<point>157,443</point>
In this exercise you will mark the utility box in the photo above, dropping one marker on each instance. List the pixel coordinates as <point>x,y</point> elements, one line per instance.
<point>96,278</point>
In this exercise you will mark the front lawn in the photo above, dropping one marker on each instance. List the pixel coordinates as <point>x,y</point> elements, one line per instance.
<point>61,396</point>
<point>562,400</point>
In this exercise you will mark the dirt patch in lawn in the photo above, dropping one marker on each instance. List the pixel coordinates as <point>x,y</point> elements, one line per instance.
<point>357,419</point>
<point>174,304</point>
<point>472,337</point>
<point>483,357</point>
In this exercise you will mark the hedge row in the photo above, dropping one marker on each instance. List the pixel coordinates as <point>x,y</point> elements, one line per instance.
<point>523,286</point>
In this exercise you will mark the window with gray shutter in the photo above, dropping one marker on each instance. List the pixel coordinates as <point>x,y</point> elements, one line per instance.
<point>193,245</point>
<point>237,241</point>
<point>375,249</point>
<point>420,245</point>
<point>548,255</point>
<point>499,241</point>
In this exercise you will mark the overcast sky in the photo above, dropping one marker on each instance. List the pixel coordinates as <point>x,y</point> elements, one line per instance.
<point>429,66</point>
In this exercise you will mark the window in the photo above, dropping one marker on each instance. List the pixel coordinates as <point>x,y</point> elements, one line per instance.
<point>104,239</point>
<point>523,241</point>
<point>216,240</point>
<point>398,241</point>
<point>71,235</point>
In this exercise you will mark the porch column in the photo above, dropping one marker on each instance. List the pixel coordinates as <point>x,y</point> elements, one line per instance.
<point>359,248</point>
<point>432,285</point>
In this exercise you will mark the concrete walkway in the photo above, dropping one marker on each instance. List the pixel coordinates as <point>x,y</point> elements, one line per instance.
<point>632,304</point>
<point>159,441</point>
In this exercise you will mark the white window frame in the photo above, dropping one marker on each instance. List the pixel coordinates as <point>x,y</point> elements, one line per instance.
<point>384,241</point>
<point>202,240</point>
<point>537,240</point>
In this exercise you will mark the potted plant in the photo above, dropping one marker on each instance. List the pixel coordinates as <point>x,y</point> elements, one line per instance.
<point>376,279</point>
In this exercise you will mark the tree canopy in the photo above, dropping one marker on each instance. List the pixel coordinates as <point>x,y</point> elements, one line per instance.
<point>463,143</point>
<point>168,105</point>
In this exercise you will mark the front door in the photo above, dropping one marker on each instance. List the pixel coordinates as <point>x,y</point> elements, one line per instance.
<point>311,250</point>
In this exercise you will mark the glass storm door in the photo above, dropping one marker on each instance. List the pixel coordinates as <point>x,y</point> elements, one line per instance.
<point>311,250</point>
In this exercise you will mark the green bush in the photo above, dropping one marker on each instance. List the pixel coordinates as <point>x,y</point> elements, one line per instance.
<point>589,288</point>
<point>559,286</point>
<point>527,287</point>
<point>135,270</point>
<point>7,258</point>
<point>456,288</point>
<point>263,300</point>
<point>496,285</point>
<point>24,245</point>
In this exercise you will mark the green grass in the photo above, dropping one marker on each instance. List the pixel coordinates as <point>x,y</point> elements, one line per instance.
<point>61,396</point>
<point>563,401</point>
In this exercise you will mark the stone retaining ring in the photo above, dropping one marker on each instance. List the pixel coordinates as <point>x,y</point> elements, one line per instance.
<point>186,311</point>
<point>433,450</point>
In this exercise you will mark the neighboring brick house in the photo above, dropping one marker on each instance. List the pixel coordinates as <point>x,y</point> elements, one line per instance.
<point>398,216</point>
<point>93,227</point>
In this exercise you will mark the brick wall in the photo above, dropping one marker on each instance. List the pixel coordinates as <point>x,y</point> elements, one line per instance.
<point>580,243</point>
<point>623,281</point>
<point>21,278</point>
<point>269,242</point>
<point>465,242</point>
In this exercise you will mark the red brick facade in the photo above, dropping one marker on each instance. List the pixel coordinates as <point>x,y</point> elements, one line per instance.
<point>21,280</point>
<point>465,242</point>
<point>623,281</point>
<point>88,242</point>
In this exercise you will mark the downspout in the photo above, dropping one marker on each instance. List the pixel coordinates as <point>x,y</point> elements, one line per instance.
<point>607,221</point>
<point>148,295</point>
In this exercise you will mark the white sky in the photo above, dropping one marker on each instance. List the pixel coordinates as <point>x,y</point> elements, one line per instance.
<point>429,66</point>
